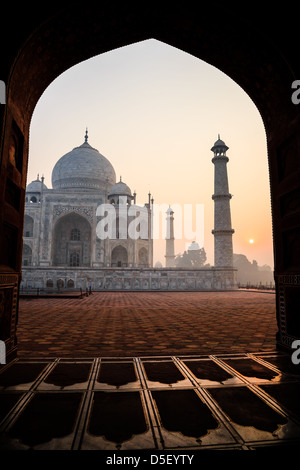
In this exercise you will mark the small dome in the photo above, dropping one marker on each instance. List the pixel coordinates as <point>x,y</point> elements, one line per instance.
<point>219,144</point>
<point>83,168</point>
<point>36,186</point>
<point>194,246</point>
<point>120,189</point>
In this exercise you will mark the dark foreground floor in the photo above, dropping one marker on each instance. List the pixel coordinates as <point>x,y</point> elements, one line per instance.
<point>187,403</point>
<point>167,372</point>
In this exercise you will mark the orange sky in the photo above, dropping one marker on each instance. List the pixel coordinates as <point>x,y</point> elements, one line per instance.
<point>155,112</point>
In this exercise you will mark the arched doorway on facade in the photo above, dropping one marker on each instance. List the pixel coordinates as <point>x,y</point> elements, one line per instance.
<point>28,226</point>
<point>119,257</point>
<point>27,255</point>
<point>143,257</point>
<point>71,241</point>
<point>251,61</point>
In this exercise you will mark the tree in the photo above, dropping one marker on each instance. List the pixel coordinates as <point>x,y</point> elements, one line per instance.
<point>191,259</point>
<point>265,267</point>
<point>250,272</point>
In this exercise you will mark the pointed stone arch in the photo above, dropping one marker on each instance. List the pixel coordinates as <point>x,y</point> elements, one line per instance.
<point>65,36</point>
<point>27,255</point>
<point>119,257</point>
<point>143,259</point>
<point>71,241</point>
<point>28,226</point>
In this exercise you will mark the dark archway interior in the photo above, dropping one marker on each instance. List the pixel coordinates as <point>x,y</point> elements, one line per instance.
<point>253,47</point>
<point>72,241</point>
<point>119,256</point>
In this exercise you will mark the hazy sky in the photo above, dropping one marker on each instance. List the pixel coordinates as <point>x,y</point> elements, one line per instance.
<point>155,112</point>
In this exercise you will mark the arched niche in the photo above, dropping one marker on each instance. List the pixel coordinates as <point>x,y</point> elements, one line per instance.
<point>71,241</point>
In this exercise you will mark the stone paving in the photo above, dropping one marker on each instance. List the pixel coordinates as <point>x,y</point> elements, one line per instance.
<point>166,373</point>
<point>115,324</point>
<point>177,405</point>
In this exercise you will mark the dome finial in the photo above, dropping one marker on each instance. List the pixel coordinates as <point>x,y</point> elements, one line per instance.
<point>120,179</point>
<point>86,135</point>
<point>219,136</point>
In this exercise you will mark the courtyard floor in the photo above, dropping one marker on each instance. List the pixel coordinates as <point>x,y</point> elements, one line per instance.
<point>141,323</point>
<point>158,375</point>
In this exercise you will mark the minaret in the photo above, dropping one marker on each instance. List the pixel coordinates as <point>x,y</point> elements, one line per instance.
<point>170,251</point>
<point>222,231</point>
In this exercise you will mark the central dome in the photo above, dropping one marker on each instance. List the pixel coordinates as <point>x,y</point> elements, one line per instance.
<point>83,168</point>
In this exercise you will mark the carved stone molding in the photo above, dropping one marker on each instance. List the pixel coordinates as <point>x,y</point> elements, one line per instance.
<point>288,279</point>
<point>8,279</point>
<point>8,311</point>
<point>59,210</point>
<point>288,289</point>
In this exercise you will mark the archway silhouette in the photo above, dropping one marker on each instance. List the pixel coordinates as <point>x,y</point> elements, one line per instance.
<point>60,37</point>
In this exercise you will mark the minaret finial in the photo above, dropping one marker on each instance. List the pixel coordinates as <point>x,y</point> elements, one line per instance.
<point>86,135</point>
<point>219,136</point>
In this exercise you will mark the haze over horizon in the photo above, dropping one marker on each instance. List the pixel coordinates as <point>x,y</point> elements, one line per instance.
<point>155,112</point>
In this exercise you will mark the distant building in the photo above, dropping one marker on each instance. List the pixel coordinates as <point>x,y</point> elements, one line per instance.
<point>170,247</point>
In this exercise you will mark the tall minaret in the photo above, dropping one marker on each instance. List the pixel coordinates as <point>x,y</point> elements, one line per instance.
<point>170,250</point>
<point>222,230</point>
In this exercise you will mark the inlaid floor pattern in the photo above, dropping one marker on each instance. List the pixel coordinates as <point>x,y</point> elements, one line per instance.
<point>231,401</point>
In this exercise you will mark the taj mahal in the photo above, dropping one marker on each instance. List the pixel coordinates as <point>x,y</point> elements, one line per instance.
<point>61,243</point>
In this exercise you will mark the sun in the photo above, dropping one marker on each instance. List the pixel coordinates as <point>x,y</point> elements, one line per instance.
<point>251,241</point>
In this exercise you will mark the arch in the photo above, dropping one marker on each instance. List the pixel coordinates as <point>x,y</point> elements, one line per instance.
<point>119,257</point>
<point>60,283</point>
<point>71,245</point>
<point>202,37</point>
<point>143,257</point>
<point>27,255</point>
<point>66,36</point>
<point>28,226</point>
<point>49,283</point>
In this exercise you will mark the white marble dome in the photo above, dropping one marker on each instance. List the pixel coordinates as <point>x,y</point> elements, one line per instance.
<point>83,168</point>
<point>36,186</point>
<point>194,246</point>
<point>120,189</point>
